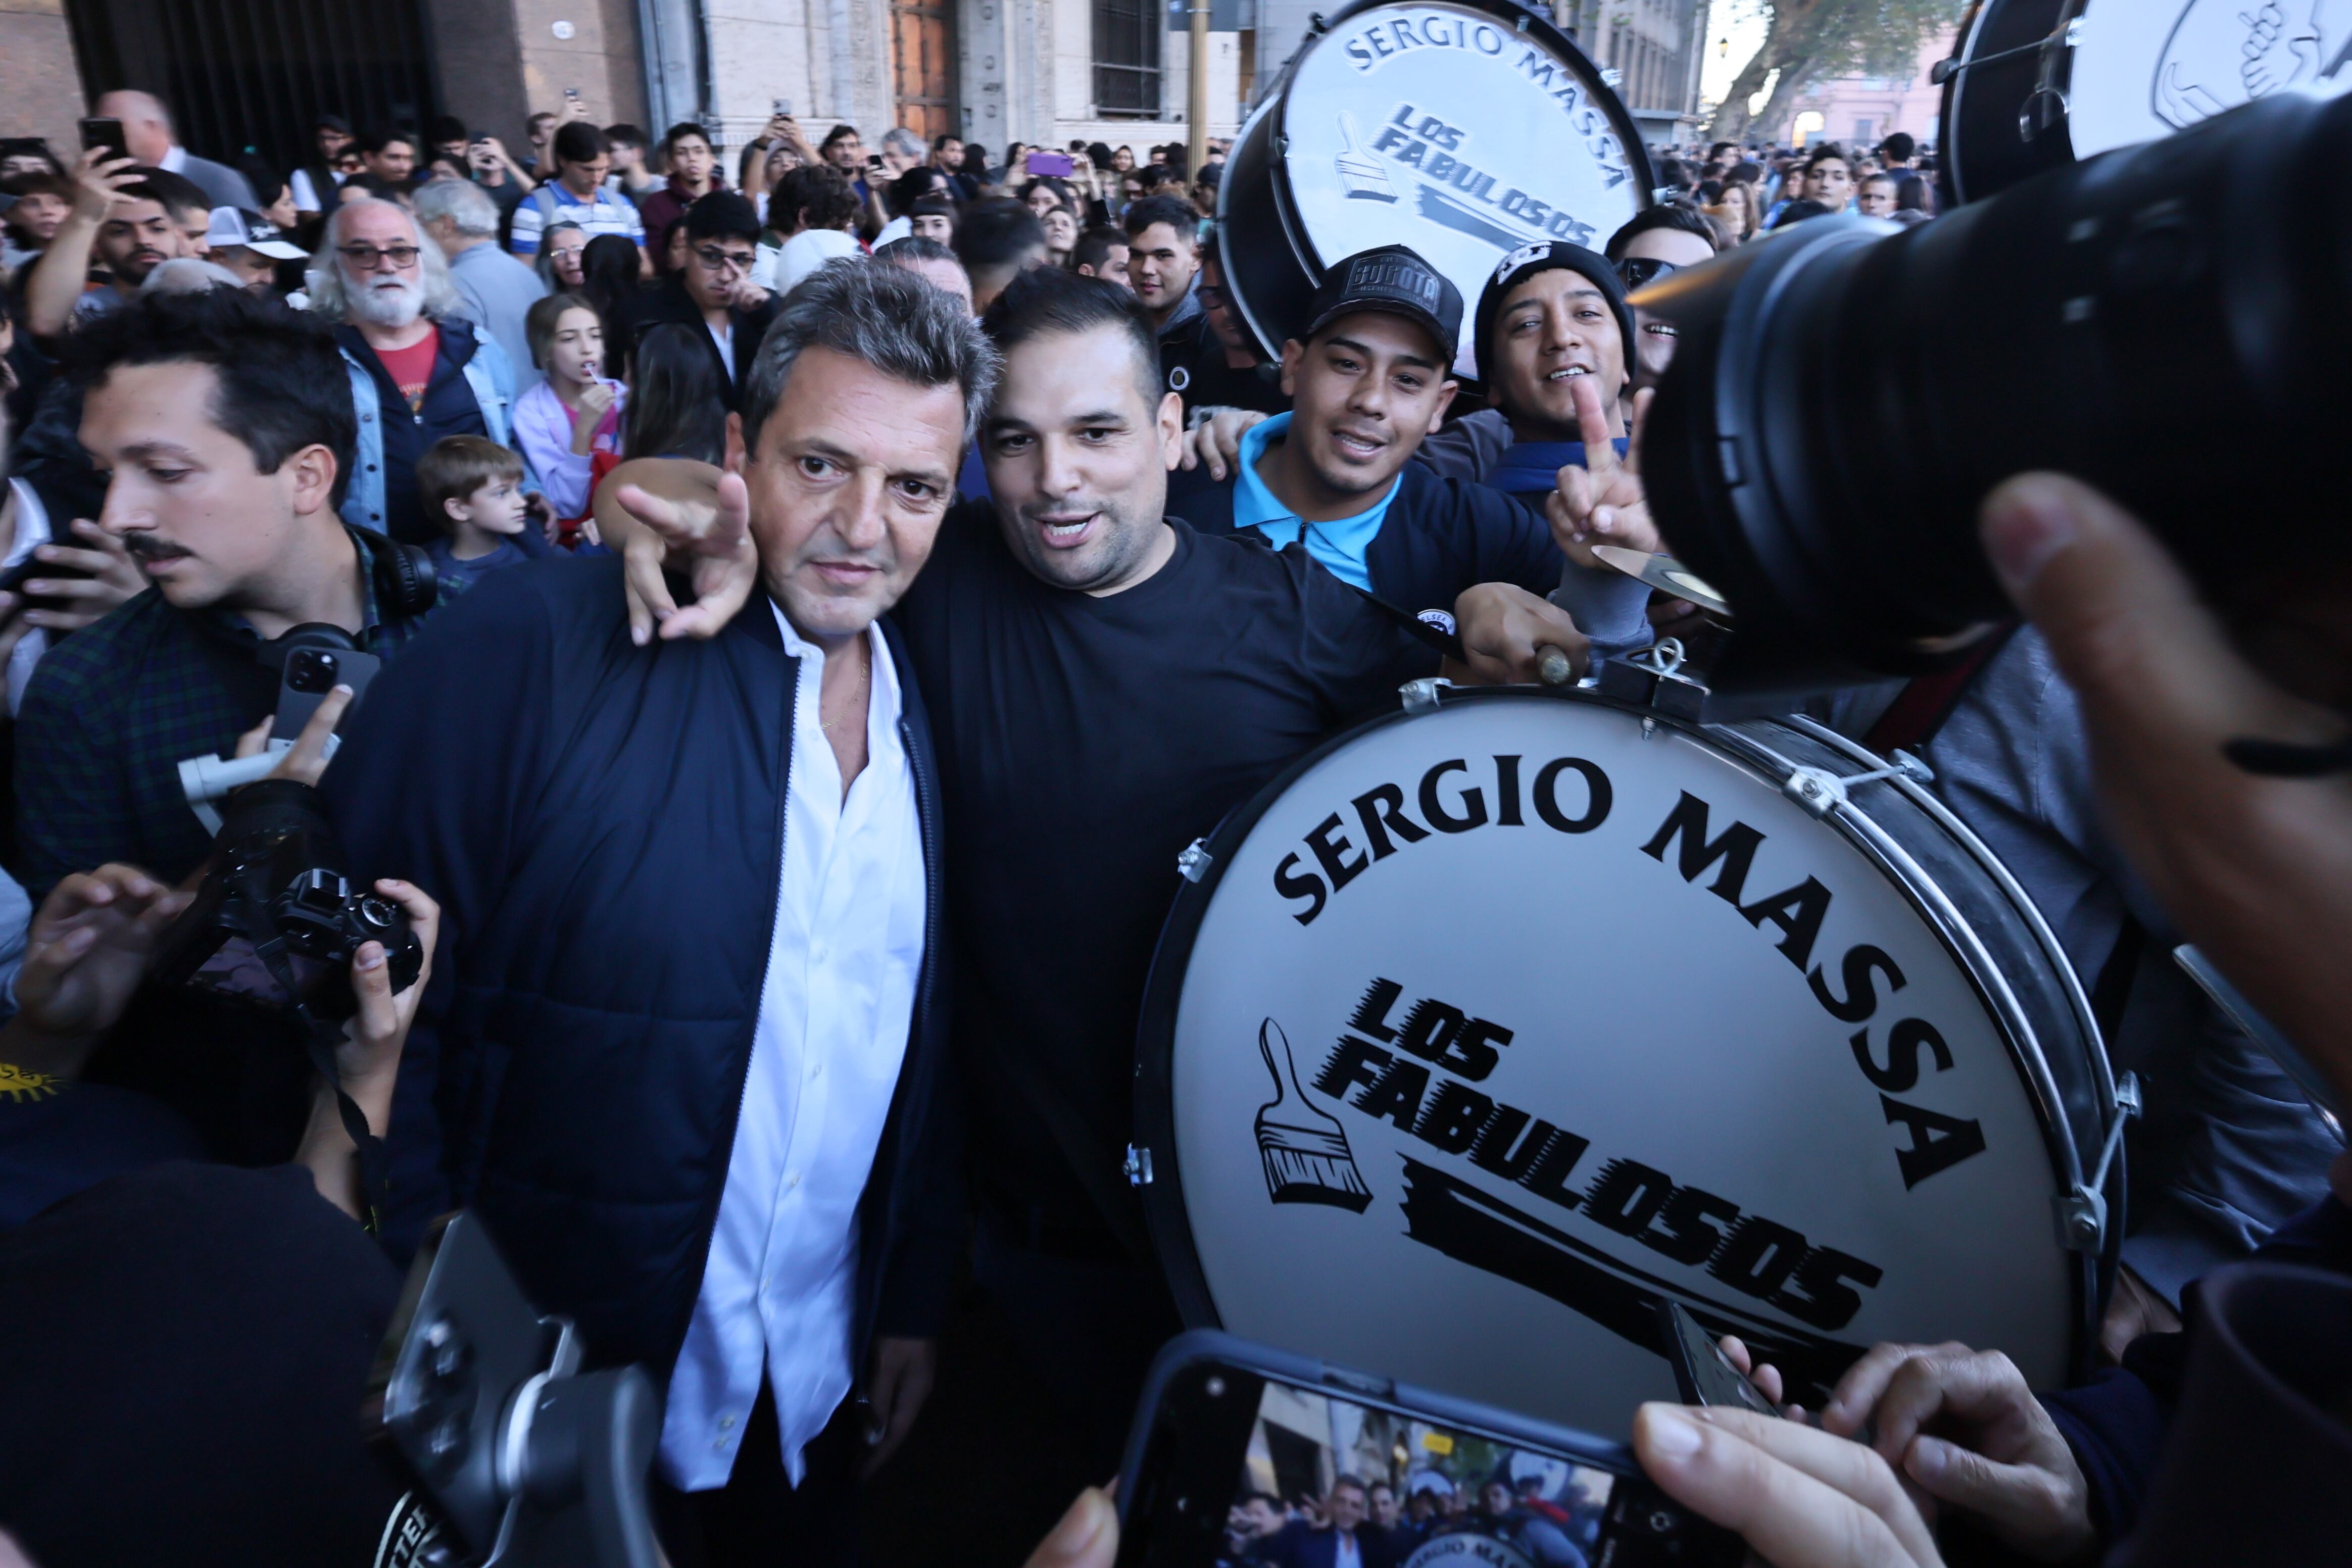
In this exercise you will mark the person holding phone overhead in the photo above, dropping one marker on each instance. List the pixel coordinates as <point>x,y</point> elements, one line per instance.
<point>148,136</point>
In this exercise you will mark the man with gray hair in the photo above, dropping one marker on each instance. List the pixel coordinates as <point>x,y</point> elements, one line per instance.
<point>420,369</point>
<point>692,900</point>
<point>462,218</point>
<point>148,136</point>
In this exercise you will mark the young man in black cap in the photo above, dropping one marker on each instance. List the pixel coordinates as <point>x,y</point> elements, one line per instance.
<point>1370,383</point>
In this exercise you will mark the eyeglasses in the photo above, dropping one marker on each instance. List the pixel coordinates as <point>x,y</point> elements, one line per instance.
<point>1638,270</point>
<point>366,256</point>
<point>717,259</point>
<point>1211,299</point>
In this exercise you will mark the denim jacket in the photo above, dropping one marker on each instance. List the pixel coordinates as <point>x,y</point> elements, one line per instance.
<point>492,381</point>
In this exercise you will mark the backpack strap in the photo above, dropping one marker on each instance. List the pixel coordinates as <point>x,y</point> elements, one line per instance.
<point>1920,708</point>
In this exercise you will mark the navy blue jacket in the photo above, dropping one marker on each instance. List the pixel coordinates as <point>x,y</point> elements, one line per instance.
<point>1441,536</point>
<point>603,827</point>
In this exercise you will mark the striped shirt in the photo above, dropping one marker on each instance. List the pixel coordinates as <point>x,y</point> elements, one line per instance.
<point>604,213</point>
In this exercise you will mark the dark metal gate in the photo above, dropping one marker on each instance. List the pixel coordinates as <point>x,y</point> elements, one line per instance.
<point>255,74</point>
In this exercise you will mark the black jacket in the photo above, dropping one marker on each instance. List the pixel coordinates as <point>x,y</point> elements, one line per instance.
<point>602,823</point>
<point>669,303</point>
<point>1440,537</point>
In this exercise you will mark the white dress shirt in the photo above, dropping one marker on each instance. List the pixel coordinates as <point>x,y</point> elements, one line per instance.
<point>780,1288</point>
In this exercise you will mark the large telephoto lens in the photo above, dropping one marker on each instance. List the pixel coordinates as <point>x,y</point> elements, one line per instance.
<point>2170,322</point>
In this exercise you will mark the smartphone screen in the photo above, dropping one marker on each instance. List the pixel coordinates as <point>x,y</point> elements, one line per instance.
<point>1242,1467</point>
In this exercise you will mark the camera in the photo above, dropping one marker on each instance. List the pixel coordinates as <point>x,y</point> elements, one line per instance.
<point>2167,322</point>
<point>276,921</point>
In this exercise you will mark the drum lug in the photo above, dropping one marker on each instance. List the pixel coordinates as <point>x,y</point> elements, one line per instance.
<point>2083,1213</point>
<point>1820,791</point>
<point>1422,696</point>
<point>1138,1166</point>
<point>1193,863</point>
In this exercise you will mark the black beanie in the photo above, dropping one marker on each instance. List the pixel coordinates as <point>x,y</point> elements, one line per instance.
<point>1529,259</point>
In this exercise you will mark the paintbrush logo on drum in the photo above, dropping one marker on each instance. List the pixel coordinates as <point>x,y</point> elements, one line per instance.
<point>1359,175</point>
<point>1306,1152</point>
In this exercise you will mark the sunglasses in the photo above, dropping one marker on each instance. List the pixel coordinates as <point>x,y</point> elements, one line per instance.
<point>1638,270</point>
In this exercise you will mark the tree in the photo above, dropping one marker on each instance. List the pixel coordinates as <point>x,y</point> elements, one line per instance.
<point>1811,40</point>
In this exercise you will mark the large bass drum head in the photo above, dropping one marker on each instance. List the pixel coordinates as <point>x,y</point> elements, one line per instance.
<point>1461,128</point>
<point>2145,69</point>
<point>1491,1028</point>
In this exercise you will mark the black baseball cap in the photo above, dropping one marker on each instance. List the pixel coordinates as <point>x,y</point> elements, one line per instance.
<point>1393,279</point>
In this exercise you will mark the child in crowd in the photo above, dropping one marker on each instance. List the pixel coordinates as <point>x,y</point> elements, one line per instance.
<point>575,412</point>
<point>473,488</point>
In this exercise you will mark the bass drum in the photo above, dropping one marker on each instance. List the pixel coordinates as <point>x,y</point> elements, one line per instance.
<point>2037,83</point>
<point>1465,129</point>
<point>1484,1031</point>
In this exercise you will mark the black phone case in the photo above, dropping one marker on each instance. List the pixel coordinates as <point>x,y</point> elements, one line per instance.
<point>1700,1375</point>
<point>294,708</point>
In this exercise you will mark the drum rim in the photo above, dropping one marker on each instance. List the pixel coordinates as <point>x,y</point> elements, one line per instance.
<point>1161,1183</point>
<point>1948,114</point>
<point>1266,121</point>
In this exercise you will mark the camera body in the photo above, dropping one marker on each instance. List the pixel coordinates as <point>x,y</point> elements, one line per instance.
<point>277,921</point>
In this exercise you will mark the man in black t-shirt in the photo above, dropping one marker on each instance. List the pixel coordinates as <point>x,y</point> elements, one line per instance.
<point>1105,684</point>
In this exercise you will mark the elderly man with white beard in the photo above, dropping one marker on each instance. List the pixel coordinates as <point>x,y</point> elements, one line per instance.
<point>419,369</point>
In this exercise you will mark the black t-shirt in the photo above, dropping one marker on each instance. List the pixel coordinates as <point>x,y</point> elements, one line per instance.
<point>1192,365</point>
<point>1083,742</point>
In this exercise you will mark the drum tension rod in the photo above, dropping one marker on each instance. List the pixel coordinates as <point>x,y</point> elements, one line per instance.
<point>1822,792</point>
<point>1138,1166</point>
<point>2083,1213</point>
<point>1194,861</point>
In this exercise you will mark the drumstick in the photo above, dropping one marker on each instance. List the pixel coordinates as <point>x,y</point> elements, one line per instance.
<point>1553,666</point>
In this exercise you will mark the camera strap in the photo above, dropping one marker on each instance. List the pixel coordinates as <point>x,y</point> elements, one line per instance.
<point>319,1039</point>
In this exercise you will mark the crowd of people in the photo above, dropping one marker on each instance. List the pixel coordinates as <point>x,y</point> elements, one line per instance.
<point>815,613</point>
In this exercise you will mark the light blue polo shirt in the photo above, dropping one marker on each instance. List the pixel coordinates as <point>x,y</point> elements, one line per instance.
<point>1340,545</point>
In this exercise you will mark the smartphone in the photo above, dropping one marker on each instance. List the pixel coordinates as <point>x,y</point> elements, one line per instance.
<point>309,674</point>
<point>105,133</point>
<point>783,108</point>
<point>1234,1442</point>
<point>1701,1370</point>
<point>1053,165</point>
<point>12,581</point>
<point>573,93</point>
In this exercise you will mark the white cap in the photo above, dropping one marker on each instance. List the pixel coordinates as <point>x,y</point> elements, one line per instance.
<point>233,227</point>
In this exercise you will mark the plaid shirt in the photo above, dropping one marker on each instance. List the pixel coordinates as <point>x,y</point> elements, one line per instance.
<point>111,712</point>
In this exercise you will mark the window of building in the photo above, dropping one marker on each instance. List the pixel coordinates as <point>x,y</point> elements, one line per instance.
<point>1126,58</point>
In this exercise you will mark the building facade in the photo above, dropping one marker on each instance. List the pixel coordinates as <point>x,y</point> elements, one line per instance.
<point>1038,71</point>
<point>1862,111</point>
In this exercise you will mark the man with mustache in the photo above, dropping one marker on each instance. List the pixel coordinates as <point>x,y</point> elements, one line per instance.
<point>418,369</point>
<point>224,421</point>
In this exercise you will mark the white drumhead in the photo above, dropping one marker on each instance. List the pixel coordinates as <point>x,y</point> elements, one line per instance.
<point>1659,1022</point>
<point>1441,127</point>
<point>2145,69</point>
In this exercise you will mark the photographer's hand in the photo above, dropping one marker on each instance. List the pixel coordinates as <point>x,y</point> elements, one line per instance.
<point>85,954</point>
<point>1997,1455</point>
<point>662,511</point>
<point>2256,870</point>
<point>367,1059</point>
<point>1603,502</point>
<point>1087,1536</point>
<point>1799,1498</point>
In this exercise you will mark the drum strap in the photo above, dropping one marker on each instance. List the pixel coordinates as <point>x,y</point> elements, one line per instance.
<point>1444,639</point>
<point>2112,993</point>
<point>1920,708</point>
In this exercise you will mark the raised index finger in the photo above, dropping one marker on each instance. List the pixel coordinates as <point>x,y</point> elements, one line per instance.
<point>1592,423</point>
